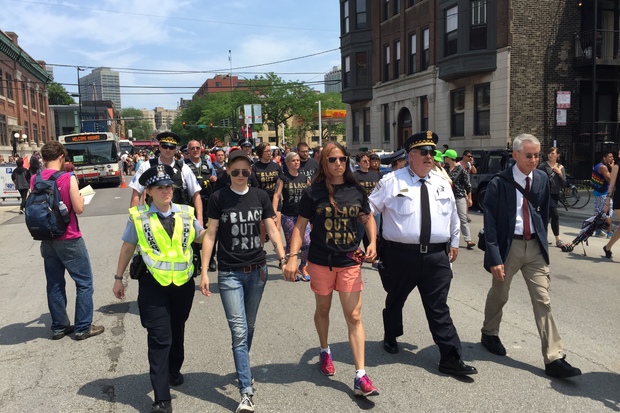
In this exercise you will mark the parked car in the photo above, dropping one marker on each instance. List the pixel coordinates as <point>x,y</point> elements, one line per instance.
<point>488,163</point>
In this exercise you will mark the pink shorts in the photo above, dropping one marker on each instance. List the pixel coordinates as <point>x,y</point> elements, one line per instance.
<point>342,279</point>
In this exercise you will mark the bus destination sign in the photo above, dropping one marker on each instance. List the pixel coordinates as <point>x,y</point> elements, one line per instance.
<point>86,138</point>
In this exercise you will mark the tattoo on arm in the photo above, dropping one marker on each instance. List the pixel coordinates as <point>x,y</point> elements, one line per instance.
<point>275,245</point>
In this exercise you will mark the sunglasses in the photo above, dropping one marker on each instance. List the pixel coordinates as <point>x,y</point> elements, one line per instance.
<point>167,146</point>
<point>532,155</point>
<point>195,148</point>
<point>333,159</point>
<point>426,152</point>
<point>244,172</point>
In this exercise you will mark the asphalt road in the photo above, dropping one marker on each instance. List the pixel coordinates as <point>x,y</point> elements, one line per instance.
<point>109,373</point>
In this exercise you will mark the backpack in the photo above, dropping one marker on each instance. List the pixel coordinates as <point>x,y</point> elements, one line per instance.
<point>46,215</point>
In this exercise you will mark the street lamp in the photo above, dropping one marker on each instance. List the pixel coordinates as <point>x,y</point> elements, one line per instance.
<point>320,125</point>
<point>16,139</point>
<point>79,69</point>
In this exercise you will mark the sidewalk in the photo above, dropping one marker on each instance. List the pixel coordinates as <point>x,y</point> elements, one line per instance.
<point>9,209</point>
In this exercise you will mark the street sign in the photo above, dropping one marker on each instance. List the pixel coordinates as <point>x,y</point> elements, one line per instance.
<point>563,100</point>
<point>201,126</point>
<point>561,117</point>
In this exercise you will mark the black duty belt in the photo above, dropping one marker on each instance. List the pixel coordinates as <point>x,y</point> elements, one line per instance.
<point>521,237</point>
<point>420,248</point>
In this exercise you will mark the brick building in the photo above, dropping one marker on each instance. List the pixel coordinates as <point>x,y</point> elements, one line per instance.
<point>478,72</point>
<point>24,107</point>
<point>221,83</point>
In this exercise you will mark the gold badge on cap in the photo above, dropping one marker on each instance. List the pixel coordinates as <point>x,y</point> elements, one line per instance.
<point>429,135</point>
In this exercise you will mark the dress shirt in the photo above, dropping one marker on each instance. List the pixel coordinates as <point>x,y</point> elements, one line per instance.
<point>397,198</point>
<point>519,178</point>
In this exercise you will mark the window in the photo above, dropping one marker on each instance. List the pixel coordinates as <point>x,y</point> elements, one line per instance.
<point>361,69</point>
<point>423,113</point>
<point>478,28</point>
<point>9,87</point>
<point>396,7</point>
<point>413,47</point>
<point>345,18</point>
<point>33,99</point>
<point>35,132</point>
<point>452,26</point>
<point>426,51</point>
<point>457,105</point>
<point>40,101</point>
<point>360,15</point>
<point>396,59</point>
<point>26,130</point>
<point>386,9</point>
<point>482,109</point>
<point>366,125</point>
<point>410,3</point>
<point>386,62</point>
<point>218,84</point>
<point>356,126</point>
<point>43,135</point>
<point>3,136</point>
<point>386,123</point>
<point>1,84</point>
<point>346,82</point>
<point>24,94</point>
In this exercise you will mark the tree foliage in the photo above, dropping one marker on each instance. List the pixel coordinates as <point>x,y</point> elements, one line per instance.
<point>58,95</point>
<point>141,128</point>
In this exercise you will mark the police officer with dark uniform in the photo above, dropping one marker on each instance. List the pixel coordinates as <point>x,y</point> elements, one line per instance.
<point>420,241</point>
<point>164,231</point>
<point>206,176</point>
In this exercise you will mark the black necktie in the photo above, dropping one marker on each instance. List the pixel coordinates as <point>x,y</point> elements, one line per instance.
<point>527,231</point>
<point>425,223</point>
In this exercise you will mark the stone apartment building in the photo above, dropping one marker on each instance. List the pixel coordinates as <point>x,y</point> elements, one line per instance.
<point>479,72</point>
<point>25,123</point>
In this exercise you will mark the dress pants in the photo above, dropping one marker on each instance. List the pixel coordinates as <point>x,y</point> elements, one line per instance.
<point>527,257</point>
<point>403,270</point>
<point>163,312</point>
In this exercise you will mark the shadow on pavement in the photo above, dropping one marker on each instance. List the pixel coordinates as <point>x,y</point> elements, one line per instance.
<point>597,385</point>
<point>19,333</point>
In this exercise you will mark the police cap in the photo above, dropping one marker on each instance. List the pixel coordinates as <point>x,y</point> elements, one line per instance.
<point>168,137</point>
<point>422,140</point>
<point>158,175</point>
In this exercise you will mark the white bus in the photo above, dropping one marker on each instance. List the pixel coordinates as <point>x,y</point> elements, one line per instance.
<point>126,146</point>
<point>95,156</point>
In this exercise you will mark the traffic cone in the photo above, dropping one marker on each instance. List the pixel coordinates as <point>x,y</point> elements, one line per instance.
<point>123,183</point>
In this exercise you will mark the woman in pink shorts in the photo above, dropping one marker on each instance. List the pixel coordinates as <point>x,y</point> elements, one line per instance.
<point>333,202</point>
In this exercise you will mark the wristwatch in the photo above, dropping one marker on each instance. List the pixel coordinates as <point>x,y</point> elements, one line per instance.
<point>116,277</point>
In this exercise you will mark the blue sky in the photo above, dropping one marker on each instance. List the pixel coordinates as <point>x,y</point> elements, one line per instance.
<point>176,35</point>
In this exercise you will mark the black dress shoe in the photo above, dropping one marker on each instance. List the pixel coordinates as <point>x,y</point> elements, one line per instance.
<point>162,407</point>
<point>560,368</point>
<point>212,265</point>
<point>456,367</point>
<point>391,346</point>
<point>608,253</point>
<point>176,379</point>
<point>60,334</point>
<point>493,344</point>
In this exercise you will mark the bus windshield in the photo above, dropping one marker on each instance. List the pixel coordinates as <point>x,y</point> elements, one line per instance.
<point>92,153</point>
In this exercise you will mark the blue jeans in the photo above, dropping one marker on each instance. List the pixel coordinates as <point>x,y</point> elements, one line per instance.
<point>70,255</point>
<point>241,293</point>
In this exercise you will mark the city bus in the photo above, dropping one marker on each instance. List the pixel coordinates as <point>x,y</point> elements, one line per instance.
<point>126,146</point>
<point>96,156</point>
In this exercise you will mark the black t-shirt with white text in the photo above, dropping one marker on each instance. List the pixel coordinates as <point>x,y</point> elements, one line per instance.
<point>368,180</point>
<point>267,175</point>
<point>238,233</point>
<point>308,167</point>
<point>334,231</point>
<point>292,189</point>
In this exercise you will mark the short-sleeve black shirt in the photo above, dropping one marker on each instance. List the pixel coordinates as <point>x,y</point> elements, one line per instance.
<point>368,180</point>
<point>308,167</point>
<point>292,189</point>
<point>334,233</point>
<point>267,175</point>
<point>238,233</point>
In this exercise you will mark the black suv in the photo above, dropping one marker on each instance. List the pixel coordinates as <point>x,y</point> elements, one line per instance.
<point>488,163</point>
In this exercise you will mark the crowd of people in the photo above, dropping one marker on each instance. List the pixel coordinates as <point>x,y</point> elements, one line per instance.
<point>195,211</point>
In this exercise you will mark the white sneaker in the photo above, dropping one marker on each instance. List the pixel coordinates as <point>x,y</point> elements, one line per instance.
<point>246,404</point>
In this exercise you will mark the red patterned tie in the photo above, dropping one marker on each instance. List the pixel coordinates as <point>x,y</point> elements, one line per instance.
<point>527,231</point>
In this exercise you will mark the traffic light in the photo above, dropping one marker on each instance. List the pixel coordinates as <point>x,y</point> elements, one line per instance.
<point>211,125</point>
<point>184,125</point>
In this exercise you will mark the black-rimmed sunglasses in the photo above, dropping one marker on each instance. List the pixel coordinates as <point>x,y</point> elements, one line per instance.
<point>426,152</point>
<point>167,146</point>
<point>333,159</point>
<point>244,172</point>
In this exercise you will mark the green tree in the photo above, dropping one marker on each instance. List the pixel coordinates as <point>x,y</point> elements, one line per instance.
<point>310,119</point>
<point>58,95</point>
<point>141,128</point>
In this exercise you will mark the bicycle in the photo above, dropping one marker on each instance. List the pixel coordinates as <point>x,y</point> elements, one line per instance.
<point>574,195</point>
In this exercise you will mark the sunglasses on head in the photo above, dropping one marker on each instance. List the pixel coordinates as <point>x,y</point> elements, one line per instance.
<point>426,152</point>
<point>167,146</point>
<point>244,172</point>
<point>333,159</point>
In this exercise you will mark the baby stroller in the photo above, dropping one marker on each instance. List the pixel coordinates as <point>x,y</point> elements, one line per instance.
<point>588,228</point>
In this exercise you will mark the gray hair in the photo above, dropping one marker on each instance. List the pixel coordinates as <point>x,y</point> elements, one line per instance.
<point>289,157</point>
<point>517,144</point>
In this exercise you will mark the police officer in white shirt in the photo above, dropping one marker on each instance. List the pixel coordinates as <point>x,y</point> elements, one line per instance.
<point>420,241</point>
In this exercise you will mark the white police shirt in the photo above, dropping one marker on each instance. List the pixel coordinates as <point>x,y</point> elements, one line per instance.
<point>190,183</point>
<point>397,197</point>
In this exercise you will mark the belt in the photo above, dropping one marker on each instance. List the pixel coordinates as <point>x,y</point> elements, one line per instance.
<point>521,237</point>
<point>422,249</point>
<point>246,269</point>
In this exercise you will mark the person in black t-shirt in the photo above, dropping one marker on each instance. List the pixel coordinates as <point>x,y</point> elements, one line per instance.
<point>307,165</point>
<point>267,172</point>
<point>368,180</point>
<point>235,214</point>
<point>289,188</point>
<point>333,203</point>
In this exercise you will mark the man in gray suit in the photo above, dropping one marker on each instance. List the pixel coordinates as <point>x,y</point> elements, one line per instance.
<point>515,228</point>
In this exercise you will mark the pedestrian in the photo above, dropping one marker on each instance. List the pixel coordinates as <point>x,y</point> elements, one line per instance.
<point>601,175</point>
<point>515,229</point>
<point>21,179</point>
<point>67,252</point>
<point>267,173</point>
<point>307,166</point>
<point>202,168</point>
<point>276,155</point>
<point>247,147</point>
<point>164,233</point>
<point>332,203</point>
<point>368,179</point>
<point>289,189</point>
<point>557,179</point>
<point>420,242</point>
<point>467,162</point>
<point>398,160</point>
<point>186,187</point>
<point>375,164</point>
<point>462,193</point>
<point>613,197</point>
<point>440,164</point>
<point>235,214</point>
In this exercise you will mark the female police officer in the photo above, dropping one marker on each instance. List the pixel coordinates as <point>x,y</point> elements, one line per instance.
<point>164,232</point>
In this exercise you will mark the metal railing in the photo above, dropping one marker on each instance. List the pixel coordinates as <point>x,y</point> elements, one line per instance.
<point>606,47</point>
<point>604,132</point>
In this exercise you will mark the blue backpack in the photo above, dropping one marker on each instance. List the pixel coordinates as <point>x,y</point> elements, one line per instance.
<point>46,215</point>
